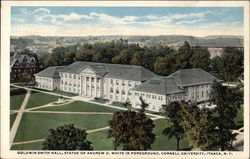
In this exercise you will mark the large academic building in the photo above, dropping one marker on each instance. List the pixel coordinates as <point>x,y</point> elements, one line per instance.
<point>127,83</point>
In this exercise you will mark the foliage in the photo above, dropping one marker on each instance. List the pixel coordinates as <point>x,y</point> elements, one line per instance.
<point>67,137</point>
<point>162,60</point>
<point>201,58</point>
<point>175,130</point>
<point>132,130</point>
<point>198,128</point>
<point>230,64</point>
<point>228,101</point>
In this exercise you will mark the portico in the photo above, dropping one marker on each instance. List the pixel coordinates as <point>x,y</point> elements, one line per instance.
<point>91,83</point>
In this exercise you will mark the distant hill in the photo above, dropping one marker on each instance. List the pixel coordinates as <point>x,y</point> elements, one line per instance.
<point>216,41</point>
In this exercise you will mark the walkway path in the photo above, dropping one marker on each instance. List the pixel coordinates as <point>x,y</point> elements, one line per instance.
<point>19,117</point>
<point>80,98</point>
<point>64,112</point>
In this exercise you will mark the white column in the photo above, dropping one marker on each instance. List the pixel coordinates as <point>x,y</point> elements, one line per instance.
<point>85,86</point>
<point>95,82</point>
<point>90,86</point>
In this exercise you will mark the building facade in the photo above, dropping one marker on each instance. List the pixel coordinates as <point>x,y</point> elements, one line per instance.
<point>127,83</point>
<point>48,79</point>
<point>23,64</point>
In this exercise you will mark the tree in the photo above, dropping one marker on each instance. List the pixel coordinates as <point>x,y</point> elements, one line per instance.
<point>67,137</point>
<point>198,128</point>
<point>227,101</point>
<point>165,65</point>
<point>131,129</point>
<point>136,59</point>
<point>183,58</point>
<point>175,130</point>
<point>201,58</point>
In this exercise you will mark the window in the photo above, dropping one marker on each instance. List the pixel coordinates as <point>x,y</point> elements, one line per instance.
<point>129,84</point>
<point>136,94</point>
<point>123,83</point>
<point>117,91</point>
<point>111,81</point>
<point>202,94</point>
<point>87,78</point>
<point>129,93</point>
<point>117,82</point>
<point>79,77</point>
<point>111,90</point>
<point>74,76</point>
<point>123,92</point>
<point>207,93</point>
<point>69,75</point>
<point>61,82</point>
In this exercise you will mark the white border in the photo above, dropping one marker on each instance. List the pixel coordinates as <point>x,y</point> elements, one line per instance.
<point>5,49</point>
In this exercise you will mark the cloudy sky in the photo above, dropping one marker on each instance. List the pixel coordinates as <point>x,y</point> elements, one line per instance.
<point>84,21</point>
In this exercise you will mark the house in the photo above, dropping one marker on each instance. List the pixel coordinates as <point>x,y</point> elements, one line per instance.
<point>23,64</point>
<point>49,78</point>
<point>127,83</point>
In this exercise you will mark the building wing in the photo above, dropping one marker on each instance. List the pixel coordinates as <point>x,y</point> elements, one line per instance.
<point>194,76</point>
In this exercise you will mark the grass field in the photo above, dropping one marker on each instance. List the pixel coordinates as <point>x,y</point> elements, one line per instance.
<point>79,106</point>
<point>16,98</point>
<point>36,125</point>
<point>37,99</point>
<point>30,146</point>
<point>162,142</point>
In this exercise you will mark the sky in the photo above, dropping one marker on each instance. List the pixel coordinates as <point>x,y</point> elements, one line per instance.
<point>94,21</point>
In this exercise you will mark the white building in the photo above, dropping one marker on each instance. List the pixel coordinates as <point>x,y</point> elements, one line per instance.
<point>48,79</point>
<point>127,83</point>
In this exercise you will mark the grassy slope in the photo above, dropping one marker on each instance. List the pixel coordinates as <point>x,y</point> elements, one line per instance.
<point>37,99</point>
<point>16,101</point>
<point>35,126</point>
<point>80,106</point>
<point>30,146</point>
<point>162,142</point>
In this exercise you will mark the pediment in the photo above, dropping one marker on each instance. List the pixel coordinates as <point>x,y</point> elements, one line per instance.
<point>88,70</point>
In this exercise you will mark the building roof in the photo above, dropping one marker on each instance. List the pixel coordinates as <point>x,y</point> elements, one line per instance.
<point>172,84</point>
<point>193,76</point>
<point>21,59</point>
<point>126,72</point>
<point>160,85</point>
<point>51,72</point>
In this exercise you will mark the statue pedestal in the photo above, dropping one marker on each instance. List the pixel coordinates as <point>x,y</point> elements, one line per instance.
<point>60,101</point>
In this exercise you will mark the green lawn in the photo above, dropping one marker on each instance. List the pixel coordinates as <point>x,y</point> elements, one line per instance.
<point>100,141</point>
<point>37,99</point>
<point>16,98</point>
<point>79,106</point>
<point>12,119</point>
<point>65,93</point>
<point>30,146</point>
<point>36,125</point>
<point>162,142</point>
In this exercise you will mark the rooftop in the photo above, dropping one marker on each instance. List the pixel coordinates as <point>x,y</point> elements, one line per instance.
<point>51,72</point>
<point>126,72</point>
<point>21,59</point>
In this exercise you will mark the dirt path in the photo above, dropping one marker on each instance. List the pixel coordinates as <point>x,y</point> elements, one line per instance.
<point>49,105</point>
<point>63,112</point>
<point>19,117</point>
